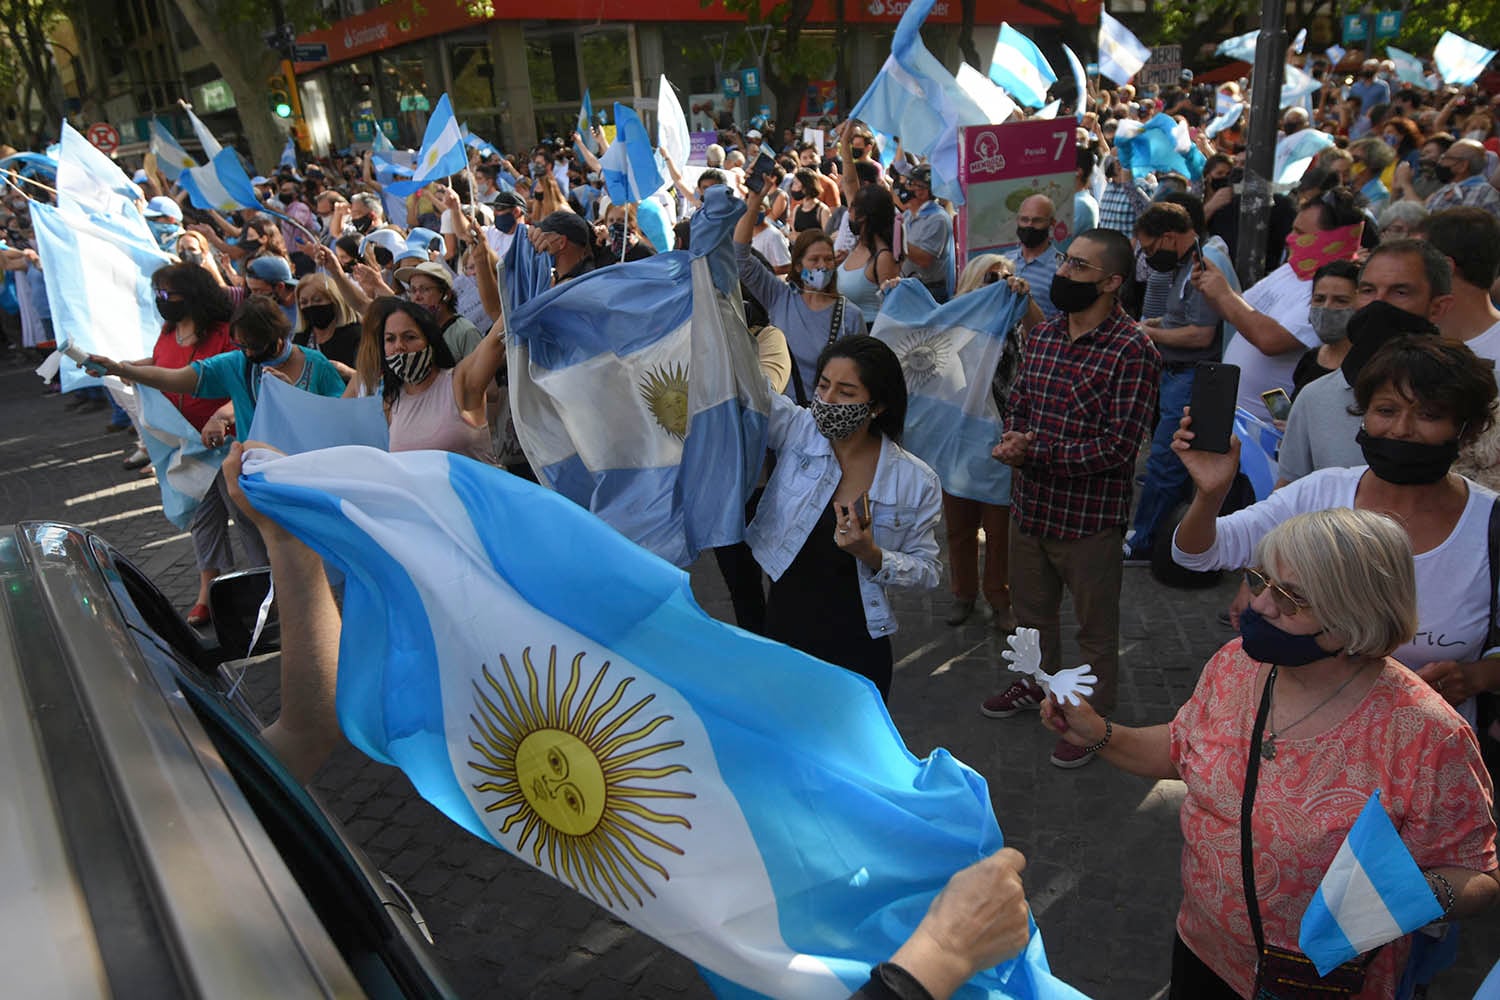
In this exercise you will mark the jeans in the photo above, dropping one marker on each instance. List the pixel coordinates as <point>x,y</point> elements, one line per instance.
<point>1167,483</point>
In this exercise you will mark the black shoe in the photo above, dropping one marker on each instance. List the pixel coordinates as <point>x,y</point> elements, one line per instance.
<point>961,611</point>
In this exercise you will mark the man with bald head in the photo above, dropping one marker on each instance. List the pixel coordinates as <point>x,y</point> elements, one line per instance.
<point>1036,258</point>
<point>1461,169</point>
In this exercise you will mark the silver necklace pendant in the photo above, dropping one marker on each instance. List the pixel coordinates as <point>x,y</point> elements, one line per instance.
<point>1268,747</point>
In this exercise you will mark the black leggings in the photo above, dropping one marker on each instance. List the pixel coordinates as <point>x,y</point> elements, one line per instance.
<point>1192,979</point>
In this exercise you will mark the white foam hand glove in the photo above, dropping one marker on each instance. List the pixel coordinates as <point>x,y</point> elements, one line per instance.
<point>1025,652</point>
<point>1071,685</point>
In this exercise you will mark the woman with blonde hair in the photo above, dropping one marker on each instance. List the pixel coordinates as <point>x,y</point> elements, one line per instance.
<point>547,197</point>
<point>965,515</point>
<point>1291,728</point>
<point>327,322</point>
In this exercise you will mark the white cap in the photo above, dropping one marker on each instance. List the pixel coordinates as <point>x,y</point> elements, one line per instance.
<point>162,207</point>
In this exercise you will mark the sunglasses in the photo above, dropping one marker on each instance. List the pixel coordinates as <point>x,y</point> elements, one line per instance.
<point>1287,603</point>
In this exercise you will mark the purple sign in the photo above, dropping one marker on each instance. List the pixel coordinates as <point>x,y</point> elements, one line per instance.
<point>698,148</point>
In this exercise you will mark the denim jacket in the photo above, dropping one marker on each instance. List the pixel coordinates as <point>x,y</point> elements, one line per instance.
<point>905,504</point>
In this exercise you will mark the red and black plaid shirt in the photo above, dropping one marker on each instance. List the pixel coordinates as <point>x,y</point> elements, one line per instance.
<point>1091,402</point>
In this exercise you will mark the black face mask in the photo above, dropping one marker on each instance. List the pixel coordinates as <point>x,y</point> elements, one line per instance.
<point>363,223</point>
<point>251,247</point>
<point>1371,327</point>
<point>1407,463</point>
<point>1072,296</point>
<point>1443,172</point>
<point>263,355</point>
<point>287,199</point>
<point>321,316</point>
<point>855,226</point>
<point>1291,128</point>
<point>1215,183</point>
<point>1031,237</point>
<point>1163,260</point>
<point>1265,643</point>
<point>172,310</point>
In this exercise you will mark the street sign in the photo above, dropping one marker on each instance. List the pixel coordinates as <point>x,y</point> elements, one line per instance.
<point>750,82</point>
<point>315,53</point>
<point>1356,29</point>
<point>1387,24</point>
<point>104,136</point>
<point>389,127</point>
<point>732,86</point>
<point>363,130</point>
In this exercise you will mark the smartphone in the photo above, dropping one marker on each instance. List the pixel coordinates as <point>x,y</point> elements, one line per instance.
<point>764,167</point>
<point>862,509</point>
<point>1278,403</point>
<point>1216,386</point>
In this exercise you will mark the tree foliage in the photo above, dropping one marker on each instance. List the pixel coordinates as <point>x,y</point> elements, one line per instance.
<point>792,57</point>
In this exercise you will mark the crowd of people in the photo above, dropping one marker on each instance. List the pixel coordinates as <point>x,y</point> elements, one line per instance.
<point>1366,618</point>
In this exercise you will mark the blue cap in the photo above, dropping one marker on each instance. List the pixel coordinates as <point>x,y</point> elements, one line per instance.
<point>271,270</point>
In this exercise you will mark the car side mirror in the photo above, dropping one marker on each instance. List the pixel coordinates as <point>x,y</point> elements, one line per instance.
<point>235,600</point>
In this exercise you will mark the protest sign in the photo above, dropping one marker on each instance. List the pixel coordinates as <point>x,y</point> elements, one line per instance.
<point>999,167</point>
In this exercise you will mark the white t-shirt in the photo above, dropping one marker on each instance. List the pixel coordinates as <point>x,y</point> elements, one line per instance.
<point>1453,580</point>
<point>772,245</point>
<point>1487,344</point>
<point>1284,297</point>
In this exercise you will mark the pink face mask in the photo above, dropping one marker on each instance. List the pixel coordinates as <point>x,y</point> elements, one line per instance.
<point>1307,252</point>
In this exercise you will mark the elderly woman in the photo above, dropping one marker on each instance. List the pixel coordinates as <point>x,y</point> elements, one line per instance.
<point>1400,220</point>
<point>326,322</point>
<point>429,284</point>
<point>1421,399</point>
<point>1291,728</point>
<point>847,512</point>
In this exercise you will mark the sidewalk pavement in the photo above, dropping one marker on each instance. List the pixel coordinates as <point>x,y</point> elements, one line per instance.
<point>1102,846</point>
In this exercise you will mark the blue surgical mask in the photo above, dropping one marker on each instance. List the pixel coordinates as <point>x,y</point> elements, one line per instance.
<point>505,223</point>
<point>1265,643</point>
<point>818,279</point>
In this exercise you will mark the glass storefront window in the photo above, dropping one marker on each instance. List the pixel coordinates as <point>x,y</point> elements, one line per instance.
<point>473,75</point>
<point>688,58</point>
<point>552,64</point>
<point>608,64</point>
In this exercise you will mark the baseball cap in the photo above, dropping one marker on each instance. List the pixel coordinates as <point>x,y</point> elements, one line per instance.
<point>162,207</point>
<point>258,180</point>
<point>271,270</point>
<point>509,199</point>
<point>570,225</point>
<point>431,268</point>
<point>753,134</point>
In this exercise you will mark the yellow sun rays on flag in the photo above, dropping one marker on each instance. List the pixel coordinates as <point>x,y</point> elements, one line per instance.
<point>566,772</point>
<point>665,391</point>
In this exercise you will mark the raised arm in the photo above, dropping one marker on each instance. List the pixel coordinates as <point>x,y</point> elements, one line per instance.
<point>178,380</point>
<point>475,373</point>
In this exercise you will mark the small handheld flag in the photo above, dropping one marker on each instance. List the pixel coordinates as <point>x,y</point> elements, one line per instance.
<point>1019,66</point>
<point>1121,54</point>
<point>443,152</point>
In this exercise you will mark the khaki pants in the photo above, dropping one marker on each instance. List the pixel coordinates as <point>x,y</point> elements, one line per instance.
<point>1090,568</point>
<point>964,518</point>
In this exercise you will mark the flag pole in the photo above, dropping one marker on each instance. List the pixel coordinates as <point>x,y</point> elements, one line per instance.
<point>28,180</point>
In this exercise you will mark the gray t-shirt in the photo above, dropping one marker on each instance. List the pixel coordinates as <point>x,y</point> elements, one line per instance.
<point>1186,306</point>
<point>931,230</point>
<point>462,337</point>
<point>1320,430</point>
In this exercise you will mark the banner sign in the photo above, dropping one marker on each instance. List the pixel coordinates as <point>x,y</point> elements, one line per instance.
<point>999,167</point>
<point>1163,68</point>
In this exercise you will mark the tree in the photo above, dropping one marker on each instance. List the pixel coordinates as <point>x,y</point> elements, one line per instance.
<point>791,59</point>
<point>26,27</point>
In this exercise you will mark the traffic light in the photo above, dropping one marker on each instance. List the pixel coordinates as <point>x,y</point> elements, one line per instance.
<point>280,96</point>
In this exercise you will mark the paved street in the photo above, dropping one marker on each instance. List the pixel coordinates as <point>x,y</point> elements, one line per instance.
<point>1103,847</point>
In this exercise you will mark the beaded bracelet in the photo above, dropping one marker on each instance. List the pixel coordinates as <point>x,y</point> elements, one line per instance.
<point>1447,889</point>
<point>1109,730</point>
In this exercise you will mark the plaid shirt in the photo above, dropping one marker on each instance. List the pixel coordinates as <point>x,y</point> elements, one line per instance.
<point>1091,402</point>
<point>1120,205</point>
<point>1472,192</point>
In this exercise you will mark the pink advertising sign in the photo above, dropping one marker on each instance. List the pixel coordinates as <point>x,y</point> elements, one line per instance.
<point>999,167</point>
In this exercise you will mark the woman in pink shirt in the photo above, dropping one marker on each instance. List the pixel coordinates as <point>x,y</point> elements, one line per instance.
<point>1337,719</point>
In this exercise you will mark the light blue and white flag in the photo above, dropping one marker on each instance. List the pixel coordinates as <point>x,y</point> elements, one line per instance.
<point>1050,111</point>
<point>1019,68</point>
<point>1373,893</point>
<point>948,354</point>
<point>293,420</point>
<point>1080,83</point>
<point>1159,146</point>
<point>483,147</point>
<point>1295,152</point>
<point>632,169</point>
<point>221,185</point>
<point>1458,60</point>
<point>1240,46</point>
<point>1299,41</point>
<point>1408,67</point>
<point>1121,54</point>
<point>442,155</point>
<point>748,806</point>
<point>97,272</point>
<point>994,102</point>
<point>171,158</point>
<point>915,97</point>
<point>381,143</point>
<point>585,124</point>
<point>1335,54</point>
<point>289,154</point>
<point>90,182</point>
<point>672,124</point>
<point>1297,87</point>
<point>185,466</point>
<point>636,393</point>
<point>211,146</point>
<point>1259,442</point>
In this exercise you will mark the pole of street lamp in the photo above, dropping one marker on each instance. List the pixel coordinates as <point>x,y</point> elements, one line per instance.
<point>1260,144</point>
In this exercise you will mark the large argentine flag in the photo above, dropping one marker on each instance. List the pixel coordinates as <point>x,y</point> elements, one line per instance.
<point>1121,54</point>
<point>949,354</point>
<point>171,158</point>
<point>915,97</point>
<point>1373,893</point>
<point>1295,152</point>
<point>90,182</point>
<point>221,184</point>
<point>1458,60</point>
<point>632,169</point>
<point>185,466</point>
<point>555,690</point>
<point>211,146</point>
<point>443,152</point>
<point>1408,67</point>
<point>293,420</point>
<point>636,393</point>
<point>1019,67</point>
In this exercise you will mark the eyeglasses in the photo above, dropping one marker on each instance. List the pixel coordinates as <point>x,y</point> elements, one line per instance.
<point>1287,602</point>
<point>1075,263</point>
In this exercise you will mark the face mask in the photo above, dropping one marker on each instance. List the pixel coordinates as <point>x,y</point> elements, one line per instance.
<point>1265,643</point>
<point>796,194</point>
<point>191,257</point>
<point>1443,172</point>
<point>162,230</point>
<point>1331,325</point>
<point>1477,136</point>
<point>287,199</point>
<point>1406,463</point>
<point>270,357</point>
<point>1290,128</point>
<point>363,223</point>
<point>537,170</point>
<point>1163,260</point>
<point>616,231</point>
<point>251,247</point>
<point>1392,140</point>
<point>1215,183</point>
<point>817,280</point>
<point>320,317</point>
<point>837,421</point>
<point>1307,252</point>
<point>1031,237</point>
<point>760,218</point>
<point>859,152</point>
<point>1072,296</point>
<point>172,311</point>
<point>411,367</point>
<point>505,223</point>
<point>856,226</point>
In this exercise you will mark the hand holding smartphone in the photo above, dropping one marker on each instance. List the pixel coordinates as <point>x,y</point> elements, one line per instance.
<point>1278,403</point>
<point>764,168</point>
<point>1216,387</point>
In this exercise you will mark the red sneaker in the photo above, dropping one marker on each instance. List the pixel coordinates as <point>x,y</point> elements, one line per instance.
<point>1066,755</point>
<point>1022,696</point>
